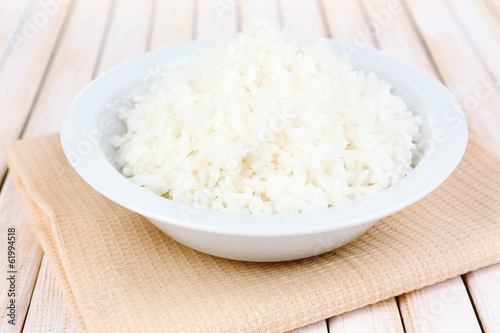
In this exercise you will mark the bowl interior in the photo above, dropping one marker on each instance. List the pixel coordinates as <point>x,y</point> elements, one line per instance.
<point>93,118</point>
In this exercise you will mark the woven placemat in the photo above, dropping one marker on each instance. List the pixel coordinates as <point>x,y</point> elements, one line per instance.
<point>119,273</point>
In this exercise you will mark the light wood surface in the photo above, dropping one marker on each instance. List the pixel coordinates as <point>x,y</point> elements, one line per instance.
<point>345,20</point>
<point>443,307</point>
<point>10,15</point>
<point>319,327</point>
<point>28,256</point>
<point>484,288</point>
<point>456,41</point>
<point>216,19</point>
<point>482,27</point>
<point>462,70</point>
<point>302,18</point>
<point>22,74</point>
<point>381,317</point>
<point>167,20</point>
<point>48,311</point>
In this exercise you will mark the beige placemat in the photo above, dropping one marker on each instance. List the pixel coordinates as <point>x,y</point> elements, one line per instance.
<point>121,274</point>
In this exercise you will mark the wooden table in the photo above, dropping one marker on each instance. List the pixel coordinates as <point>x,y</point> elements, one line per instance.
<point>49,49</point>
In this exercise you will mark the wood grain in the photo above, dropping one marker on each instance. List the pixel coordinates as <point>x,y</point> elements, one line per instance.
<point>494,6</point>
<point>72,68</point>
<point>396,34</point>
<point>20,77</point>
<point>173,23</point>
<point>484,288</point>
<point>28,254</point>
<point>11,24</point>
<point>129,20</point>
<point>112,54</point>
<point>63,76</point>
<point>216,19</point>
<point>482,28</point>
<point>380,317</point>
<point>346,22</point>
<point>318,327</point>
<point>303,18</point>
<point>443,307</point>
<point>460,67</point>
<point>48,311</point>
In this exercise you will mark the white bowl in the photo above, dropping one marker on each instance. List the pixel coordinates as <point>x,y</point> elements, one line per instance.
<point>92,120</point>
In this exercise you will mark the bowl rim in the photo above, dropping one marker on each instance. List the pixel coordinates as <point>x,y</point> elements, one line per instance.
<point>98,172</point>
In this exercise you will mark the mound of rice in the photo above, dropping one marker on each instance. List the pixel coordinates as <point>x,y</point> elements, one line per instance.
<point>267,124</point>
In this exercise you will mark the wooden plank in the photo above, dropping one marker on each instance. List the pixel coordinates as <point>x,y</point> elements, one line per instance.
<point>380,317</point>
<point>303,18</point>
<point>129,18</point>
<point>66,73</point>
<point>28,254</point>
<point>460,67</point>
<point>481,24</point>
<point>346,22</point>
<point>216,19</point>
<point>483,29</point>
<point>173,23</point>
<point>73,66</point>
<point>484,288</point>
<point>116,50</point>
<point>494,6</point>
<point>396,34</point>
<point>260,10</point>
<point>49,312</point>
<point>19,83</point>
<point>443,307</point>
<point>318,327</point>
<point>12,22</point>
<point>20,78</point>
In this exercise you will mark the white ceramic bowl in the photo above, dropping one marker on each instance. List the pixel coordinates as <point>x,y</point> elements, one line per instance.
<point>92,119</point>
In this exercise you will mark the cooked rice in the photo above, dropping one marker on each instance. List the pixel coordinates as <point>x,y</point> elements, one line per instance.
<point>267,124</point>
